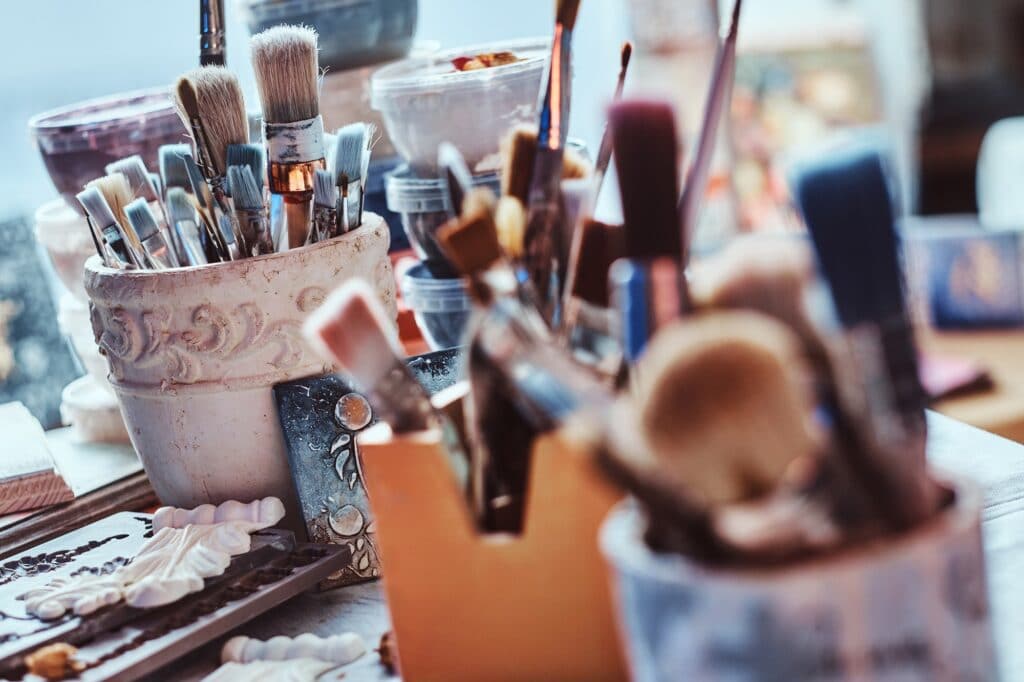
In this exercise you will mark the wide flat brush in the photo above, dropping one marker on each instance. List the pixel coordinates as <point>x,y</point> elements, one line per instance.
<point>118,195</point>
<point>325,207</point>
<point>101,218</point>
<point>250,211</point>
<point>352,329</point>
<point>284,60</point>
<point>846,203</point>
<point>185,223</point>
<point>173,171</point>
<point>347,167</point>
<point>718,97</point>
<point>542,239</point>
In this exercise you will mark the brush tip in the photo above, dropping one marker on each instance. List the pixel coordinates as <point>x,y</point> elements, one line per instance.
<point>352,330</point>
<point>566,12</point>
<point>141,218</point>
<point>325,191</point>
<point>626,55</point>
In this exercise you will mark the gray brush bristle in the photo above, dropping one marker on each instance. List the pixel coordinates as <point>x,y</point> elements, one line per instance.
<point>284,59</point>
<point>141,218</point>
<point>97,207</point>
<point>172,166</point>
<point>325,192</point>
<point>180,206</point>
<point>348,152</point>
<point>245,191</point>
<point>251,155</point>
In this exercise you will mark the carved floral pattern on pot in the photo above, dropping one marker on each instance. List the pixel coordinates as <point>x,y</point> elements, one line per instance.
<point>146,338</point>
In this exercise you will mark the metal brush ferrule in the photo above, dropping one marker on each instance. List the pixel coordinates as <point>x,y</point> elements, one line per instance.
<point>554,103</point>
<point>211,33</point>
<point>352,206</point>
<point>325,223</point>
<point>160,254</point>
<point>294,178</point>
<point>295,151</point>
<point>402,402</point>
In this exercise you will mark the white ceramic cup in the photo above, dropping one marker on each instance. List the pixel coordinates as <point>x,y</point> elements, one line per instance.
<point>195,352</point>
<point>913,607</point>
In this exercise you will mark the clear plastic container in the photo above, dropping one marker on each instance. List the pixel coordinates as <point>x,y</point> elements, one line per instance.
<point>77,142</point>
<point>353,33</point>
<point>426,101</point>
<point>441,306</point>
<point>422,204</point>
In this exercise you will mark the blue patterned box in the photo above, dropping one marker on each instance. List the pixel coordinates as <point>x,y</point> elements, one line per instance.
<point>971,276</point>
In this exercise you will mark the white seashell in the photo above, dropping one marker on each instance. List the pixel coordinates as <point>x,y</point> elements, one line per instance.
<point>258,514</point>
<point>337,649</point>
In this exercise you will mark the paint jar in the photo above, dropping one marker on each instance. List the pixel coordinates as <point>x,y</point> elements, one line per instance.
<point>422,203</point>
<point>65,234</point>
<point>77,142</point>
<point>426,101</point>
<point>911,607</point>
<point>441,306</point>
<point>195,352</point>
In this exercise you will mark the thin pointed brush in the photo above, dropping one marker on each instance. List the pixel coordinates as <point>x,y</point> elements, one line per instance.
<point>250,211</point>
<point>541,241</point>
<point>846,203</point>
<point>347,168</point>
<point>604,152</point>
<point>325,207</point>
<point>722,78</point>
<point>185,223</point>
<point>284,60</point>
<point>211,33</point>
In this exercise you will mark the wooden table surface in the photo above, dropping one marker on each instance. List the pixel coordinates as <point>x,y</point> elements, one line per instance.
<point>995,463</point>
<point>1001,409</point>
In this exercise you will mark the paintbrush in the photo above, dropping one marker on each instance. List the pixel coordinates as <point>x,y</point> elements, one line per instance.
<point>284,59</point>
<point>347,165</point>
<point>846,203</point>
<point>159,254</point>
<point>604,151</point>
<point>251,155</point>
<point>211,33</point>
<point>117,194</point>
<point>352,329</point>
<point>250,212</point>
<point>541,241</point>
<point>457,176</point>
<point>173,171</point>
<point>325,207</point>
<point>718,97</point>
<point>101,219</point>
<point>134,170</point>
<point>720,415</point>
<point>184,223</point>
<point>214,244</point>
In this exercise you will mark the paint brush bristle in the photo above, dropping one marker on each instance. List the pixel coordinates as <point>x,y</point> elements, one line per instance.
<point>172,166</point>
<point>624,57</point>
<point>134,170</point>
<point>245,189</point>
<point>518,153</point>
<point>325,191</point>
<point>600,246</point>
<point>353,330</point>
<point>97,207</point>
<point>180,206</point>
<point>566,12</point>
<point>216,97</point>
<point>349,147</point>
<point>471,241</point>
<point>118,194</point>
<point>510,220</point>
<point>646,157</point>
<point>284,59</point>
<point>141,218</point>
<point>251,155</point>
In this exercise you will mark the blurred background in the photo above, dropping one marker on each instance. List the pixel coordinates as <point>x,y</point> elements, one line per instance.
<point>927,77</point>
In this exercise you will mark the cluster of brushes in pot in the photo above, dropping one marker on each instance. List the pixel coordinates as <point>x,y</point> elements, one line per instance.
<point>757,411</point>
<point>225,196</point>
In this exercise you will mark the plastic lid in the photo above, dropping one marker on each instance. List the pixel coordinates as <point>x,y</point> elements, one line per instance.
<point>408,193</point>
<point>417,74</point>
<point>284,9</point>
<point>140,114</point>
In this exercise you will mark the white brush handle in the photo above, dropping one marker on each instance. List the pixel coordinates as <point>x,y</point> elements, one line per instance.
<point>261,513</point>
<point>337,649</point>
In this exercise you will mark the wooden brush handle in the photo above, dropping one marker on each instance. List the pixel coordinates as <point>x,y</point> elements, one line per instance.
<point>297,215</point>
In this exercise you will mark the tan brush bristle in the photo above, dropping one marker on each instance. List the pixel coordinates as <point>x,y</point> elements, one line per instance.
<point>118,194</point>
<point>566,12</point>
<point>284,59</point>
<point>701,379</point>
<point>518,151</point>
<point>214,95</point>
<point>510,219</point>
<point>471,241</point>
